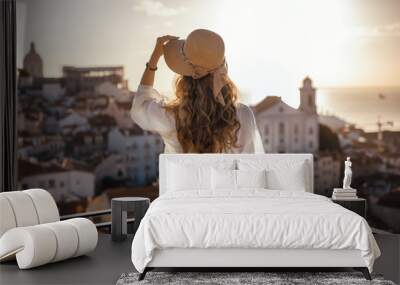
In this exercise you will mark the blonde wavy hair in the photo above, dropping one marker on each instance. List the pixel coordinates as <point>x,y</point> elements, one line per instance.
<point>203,124</point>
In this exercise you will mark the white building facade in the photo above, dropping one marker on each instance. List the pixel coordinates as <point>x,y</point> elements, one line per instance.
<point>114,167</point>
<point>285,129</point>
<point>74,123</point>
<point>53,91</point>
<point>139,151</point>
<point>64,185</point>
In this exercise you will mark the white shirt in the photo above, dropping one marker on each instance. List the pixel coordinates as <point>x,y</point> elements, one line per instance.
<point>149,113</point>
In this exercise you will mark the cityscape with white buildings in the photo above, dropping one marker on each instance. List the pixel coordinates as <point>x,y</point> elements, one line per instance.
<point>76,139</point>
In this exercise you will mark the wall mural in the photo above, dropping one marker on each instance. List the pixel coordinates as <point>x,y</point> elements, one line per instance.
<point>80,63</point>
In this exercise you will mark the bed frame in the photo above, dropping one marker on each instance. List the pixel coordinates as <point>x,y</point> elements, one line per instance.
<point>241,259</point>
<point>244,259</point>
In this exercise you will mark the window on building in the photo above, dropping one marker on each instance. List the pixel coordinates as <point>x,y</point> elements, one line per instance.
<point>52,183</point>
<point>311,130</point>
<point>281,128</point>
<point>266,130</point>
<point>296,129</point>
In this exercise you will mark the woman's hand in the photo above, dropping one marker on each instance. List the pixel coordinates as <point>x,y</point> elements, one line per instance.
<point>161,41</point>
<point>148,74</point>
<point>158,49</point>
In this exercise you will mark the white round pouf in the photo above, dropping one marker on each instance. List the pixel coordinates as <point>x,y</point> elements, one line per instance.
<point>40,244</point>
<point>23,208</point>
<point>45,205</point>
<point>67,240</point>
<point>30,230</point>
<point>7,218</point>
<point>33,246</point>
<point>87,234</point>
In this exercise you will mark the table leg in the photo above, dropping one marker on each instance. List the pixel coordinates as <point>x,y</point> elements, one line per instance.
<point>118,222</point>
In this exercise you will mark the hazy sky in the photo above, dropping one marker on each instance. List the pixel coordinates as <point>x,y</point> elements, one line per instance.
<point>270,45</point>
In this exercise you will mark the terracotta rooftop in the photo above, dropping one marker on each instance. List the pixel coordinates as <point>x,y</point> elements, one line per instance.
<point>267,103</point>
<point>29,168</point>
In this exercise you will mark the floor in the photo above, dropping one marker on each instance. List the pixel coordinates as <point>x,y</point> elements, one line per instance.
<point>110,259</point>
<point>103,266</point>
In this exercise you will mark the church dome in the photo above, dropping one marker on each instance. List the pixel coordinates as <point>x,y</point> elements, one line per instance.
<point>33,62</point>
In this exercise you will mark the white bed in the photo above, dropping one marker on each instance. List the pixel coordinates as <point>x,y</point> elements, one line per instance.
<point>280,225</point>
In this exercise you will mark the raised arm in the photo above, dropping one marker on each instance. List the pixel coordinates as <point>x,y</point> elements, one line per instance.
<point>147,109</point>
<point>151,66</point>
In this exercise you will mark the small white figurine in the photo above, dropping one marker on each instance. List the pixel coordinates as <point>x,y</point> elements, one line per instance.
<point>347,174</point>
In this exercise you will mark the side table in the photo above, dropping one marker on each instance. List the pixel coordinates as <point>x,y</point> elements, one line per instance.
<point>119,213</point>
<point>357,205</point>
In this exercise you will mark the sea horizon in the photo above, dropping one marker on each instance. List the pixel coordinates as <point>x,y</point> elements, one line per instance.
<point>362,106</point>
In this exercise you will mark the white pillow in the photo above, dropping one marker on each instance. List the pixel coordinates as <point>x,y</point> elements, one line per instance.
<point>294,179</point>
<point>281,174</point>
<point>251,178</point>
<point>183,177</point>
<point>223,179</point>
<point>228,179</point>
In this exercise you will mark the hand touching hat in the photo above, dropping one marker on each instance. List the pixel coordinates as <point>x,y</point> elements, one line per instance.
<point>202,53</point>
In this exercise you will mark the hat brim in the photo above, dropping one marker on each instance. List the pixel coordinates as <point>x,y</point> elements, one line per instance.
<point>175,59</point>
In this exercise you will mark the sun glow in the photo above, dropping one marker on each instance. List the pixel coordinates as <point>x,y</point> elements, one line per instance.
<point>280,42</point>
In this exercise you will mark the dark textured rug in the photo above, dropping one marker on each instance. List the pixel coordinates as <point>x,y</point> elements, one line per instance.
<point>232,278</point>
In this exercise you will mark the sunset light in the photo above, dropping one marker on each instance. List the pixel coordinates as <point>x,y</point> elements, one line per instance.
<point>287,40</point>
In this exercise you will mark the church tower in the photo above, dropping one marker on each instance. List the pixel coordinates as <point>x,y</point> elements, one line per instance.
<point>33,63</point>
<point>307,97</point>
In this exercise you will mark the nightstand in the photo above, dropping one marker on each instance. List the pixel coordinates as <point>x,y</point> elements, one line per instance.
<point>119,215</point>
<point>357,205</point>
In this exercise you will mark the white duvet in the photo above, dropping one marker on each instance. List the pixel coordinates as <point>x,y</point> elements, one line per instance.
<point>252,218</point>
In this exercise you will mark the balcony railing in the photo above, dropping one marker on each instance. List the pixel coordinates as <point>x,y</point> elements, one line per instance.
<point>94,214</point>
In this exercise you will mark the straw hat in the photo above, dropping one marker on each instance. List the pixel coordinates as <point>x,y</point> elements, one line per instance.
<point>202,52</point>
